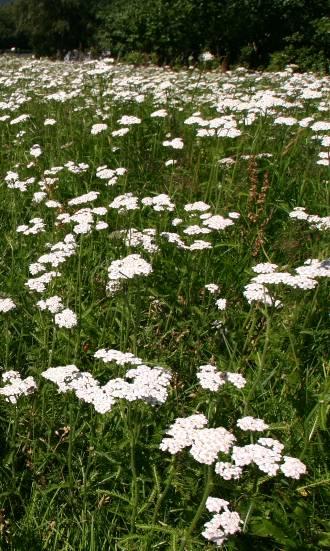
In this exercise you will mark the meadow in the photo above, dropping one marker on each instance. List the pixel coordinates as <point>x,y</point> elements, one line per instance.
<point>164,317</point>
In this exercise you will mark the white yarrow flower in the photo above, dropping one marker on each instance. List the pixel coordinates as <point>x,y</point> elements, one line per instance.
<point>293,467</point>
<point>16,386</point>
<point>6,304</point>
<point>67,318</point>
<point>98,128</point>
<point>251,423</point>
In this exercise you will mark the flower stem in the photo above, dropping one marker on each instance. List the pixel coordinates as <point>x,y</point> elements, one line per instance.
<point>134,483</point>
<point>163,494</point>
<point>201,507</point>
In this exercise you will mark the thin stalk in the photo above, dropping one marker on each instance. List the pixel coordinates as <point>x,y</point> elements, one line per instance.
<point>78,298</point>
<point>7,339</point>
<point>255,491</point>
<point>250,332</point>
<point>134,483</point>
<point>201,507</point>
<point>70,448</point>
<point>267,337</point>
<point>51,350</point>
<point>165,491</point>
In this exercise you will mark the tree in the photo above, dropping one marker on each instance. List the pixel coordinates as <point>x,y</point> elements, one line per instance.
<point>55,25</point>
<point>7,27</point>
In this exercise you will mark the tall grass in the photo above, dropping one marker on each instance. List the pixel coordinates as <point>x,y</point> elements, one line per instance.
<point>75,479</point>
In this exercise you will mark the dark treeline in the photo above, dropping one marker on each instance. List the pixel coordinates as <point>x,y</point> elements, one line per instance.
<point>256,33</point>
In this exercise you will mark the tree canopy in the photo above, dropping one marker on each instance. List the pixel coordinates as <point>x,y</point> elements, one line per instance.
<point>252,32</point>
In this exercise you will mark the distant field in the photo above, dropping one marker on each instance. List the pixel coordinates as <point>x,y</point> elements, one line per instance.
<point>164,303</point>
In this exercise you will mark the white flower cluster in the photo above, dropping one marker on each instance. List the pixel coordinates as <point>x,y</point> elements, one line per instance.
<point>161,113</point>
<point>217,222</point>
<point>182,432</point>
<point>16,386</point>
<point>196,118</point>
<point>265,268</point>
<point>221,127</point>
<point>144,238</point>
<point>206,56</point>
<point>38,284</point>
<point>221,303</point>
<point>159,203</point>
<point>84,219</point>
<point>98,128</point>
<point>205,443</point>
<point>86,198</point>
<point>76,168</point>
<point>59,253</point>
<point>318,222</point>
<point>13,181</point>
<point>210,223</point>
<point>266,454</point>
<point>194,229</point>
<point>229,130</point>
<point>37,225</point>
<point>305,122</point>
<point>120,132</point>
<point>227,471</point>
<point>147,384</point>
<point>212,379</point>
<point>51,204</point>
<point>256,290</point>
<point>49,122</point>
<point>176,143</point>
<point>127,120</point>
<point>6,304</point>
<point>53,170</point>
<point>227,161</point>
<point>125,202</point>
<point>324,160</point>
<point>197,206</point>
<point>35,151</point>
<point>105,173</point>
<point>286,121</point>
<point>116,356</point>
<point>321,126</point>
<point>197,245</point>
<point>126,268</point>
<point>222,524</point>
<point>52,304</point>
<point>292,467</point>
<point>20,134</point>
<point>213,288</point>
<point>174,238</point>
<point>252,424</point>
<point>170,162</point>
<point>22,185</point>
<point>19,119</point>
<point>45,184</point>
<point>66,318</point>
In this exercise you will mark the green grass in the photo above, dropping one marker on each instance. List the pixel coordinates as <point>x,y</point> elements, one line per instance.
<point>74,479</point>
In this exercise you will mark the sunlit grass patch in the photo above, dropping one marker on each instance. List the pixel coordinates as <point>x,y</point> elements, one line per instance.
<point>164,308</point>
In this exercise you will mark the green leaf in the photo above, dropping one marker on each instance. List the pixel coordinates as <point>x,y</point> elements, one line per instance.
<point>324,541</point>
<point>265,528</point>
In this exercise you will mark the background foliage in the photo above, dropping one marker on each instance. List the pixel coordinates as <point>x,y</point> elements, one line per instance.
<point>253,32</point>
